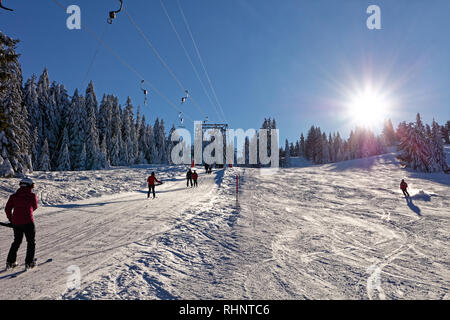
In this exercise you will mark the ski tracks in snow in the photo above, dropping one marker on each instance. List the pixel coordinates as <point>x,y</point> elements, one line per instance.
<point>333,236</point>
<point>191,259</point>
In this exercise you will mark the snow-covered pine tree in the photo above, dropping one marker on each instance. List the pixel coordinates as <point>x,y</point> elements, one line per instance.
<point>309,144</point>
<point>446,132</point>
<point>297,148</point>
<point>318,146</point>
<point>44,159</point>
<point>77,131</point>
<point>104,122</point>
<point>428,133</point>
<point>438,162</point>
<point>422,153</point>
<point>30,99</point>
<point>292,149</point>
<point>162,142</point>
<point>102,158</point>
<point>14,125</point>
<point>150,142</point>
<point>338,147</point>
<point>142,142</point>
<point>49,114</point>
<point>115,146</point>
<point>62,101</point>
<point>287,154</point>
<point>302,151</point>
<point>331,148</point>
<point>137,129</point>
<point>35,148</point>
<point>380,145</point>
<point>82,158</point>
<point>389,133</point>
<point>157,157</point>
<point>64,159</point>
<point>351,146</point>
<point>369,144</point>
<point>63,163</point>
<point>414,147</point>
<point>325,149</point>
<point>93,155</point>
<point>128,132</point>
<point>34,118</point>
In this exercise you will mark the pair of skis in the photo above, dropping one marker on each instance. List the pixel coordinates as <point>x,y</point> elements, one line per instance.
<point>14,275</point>
<point>18,273</point>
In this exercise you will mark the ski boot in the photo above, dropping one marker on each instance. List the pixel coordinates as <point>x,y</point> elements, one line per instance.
<point>30,265</point>
<point>11,265</point>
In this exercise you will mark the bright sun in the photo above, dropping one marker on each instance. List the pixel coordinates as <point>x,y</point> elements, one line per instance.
<point>368,109</point>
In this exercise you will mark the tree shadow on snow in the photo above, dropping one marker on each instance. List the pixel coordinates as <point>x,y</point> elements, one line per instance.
<point>441,178</point>
<point>363,164</point>
<point>75,206</point>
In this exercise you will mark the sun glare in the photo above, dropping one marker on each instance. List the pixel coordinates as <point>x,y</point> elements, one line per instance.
<point>368,109</point>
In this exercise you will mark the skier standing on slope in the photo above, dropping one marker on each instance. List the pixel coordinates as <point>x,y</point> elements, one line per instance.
<point>189,177</point>
<point>404,187</point>
<point>151,185</point>
<point>19,211</point>
<point>195,178</point>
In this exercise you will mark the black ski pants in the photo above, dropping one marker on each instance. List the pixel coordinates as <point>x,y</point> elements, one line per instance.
<point>151,188</point>
<point>30,234</point>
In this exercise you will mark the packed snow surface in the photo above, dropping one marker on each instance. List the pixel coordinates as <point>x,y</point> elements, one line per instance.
<point>337,231</point>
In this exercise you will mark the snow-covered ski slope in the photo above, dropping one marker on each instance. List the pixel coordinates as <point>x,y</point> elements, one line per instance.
<point>338,231</point>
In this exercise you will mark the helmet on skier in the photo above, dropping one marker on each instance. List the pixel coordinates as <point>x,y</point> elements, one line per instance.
<point>26,182</point>
<point>153,173</point>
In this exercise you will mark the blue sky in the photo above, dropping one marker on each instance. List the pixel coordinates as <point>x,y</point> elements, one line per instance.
<point>295,60</point>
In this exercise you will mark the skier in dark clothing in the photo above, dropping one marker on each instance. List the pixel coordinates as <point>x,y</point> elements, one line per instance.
<point>189,177</point>
<point>151,185</point>
<point>404,187</point>
<point>195,178</point>
<point>19,211</point>
<point>206,168</point>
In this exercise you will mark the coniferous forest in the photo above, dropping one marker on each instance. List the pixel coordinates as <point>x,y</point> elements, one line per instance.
<point>44,128</point>
<point>421,147</point>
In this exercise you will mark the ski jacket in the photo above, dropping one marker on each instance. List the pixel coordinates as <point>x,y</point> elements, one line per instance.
<point>403,185</point>
<point>195,176</point>
<point>189,175</point>
<point>20,207</point>
<point>151,180</point>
